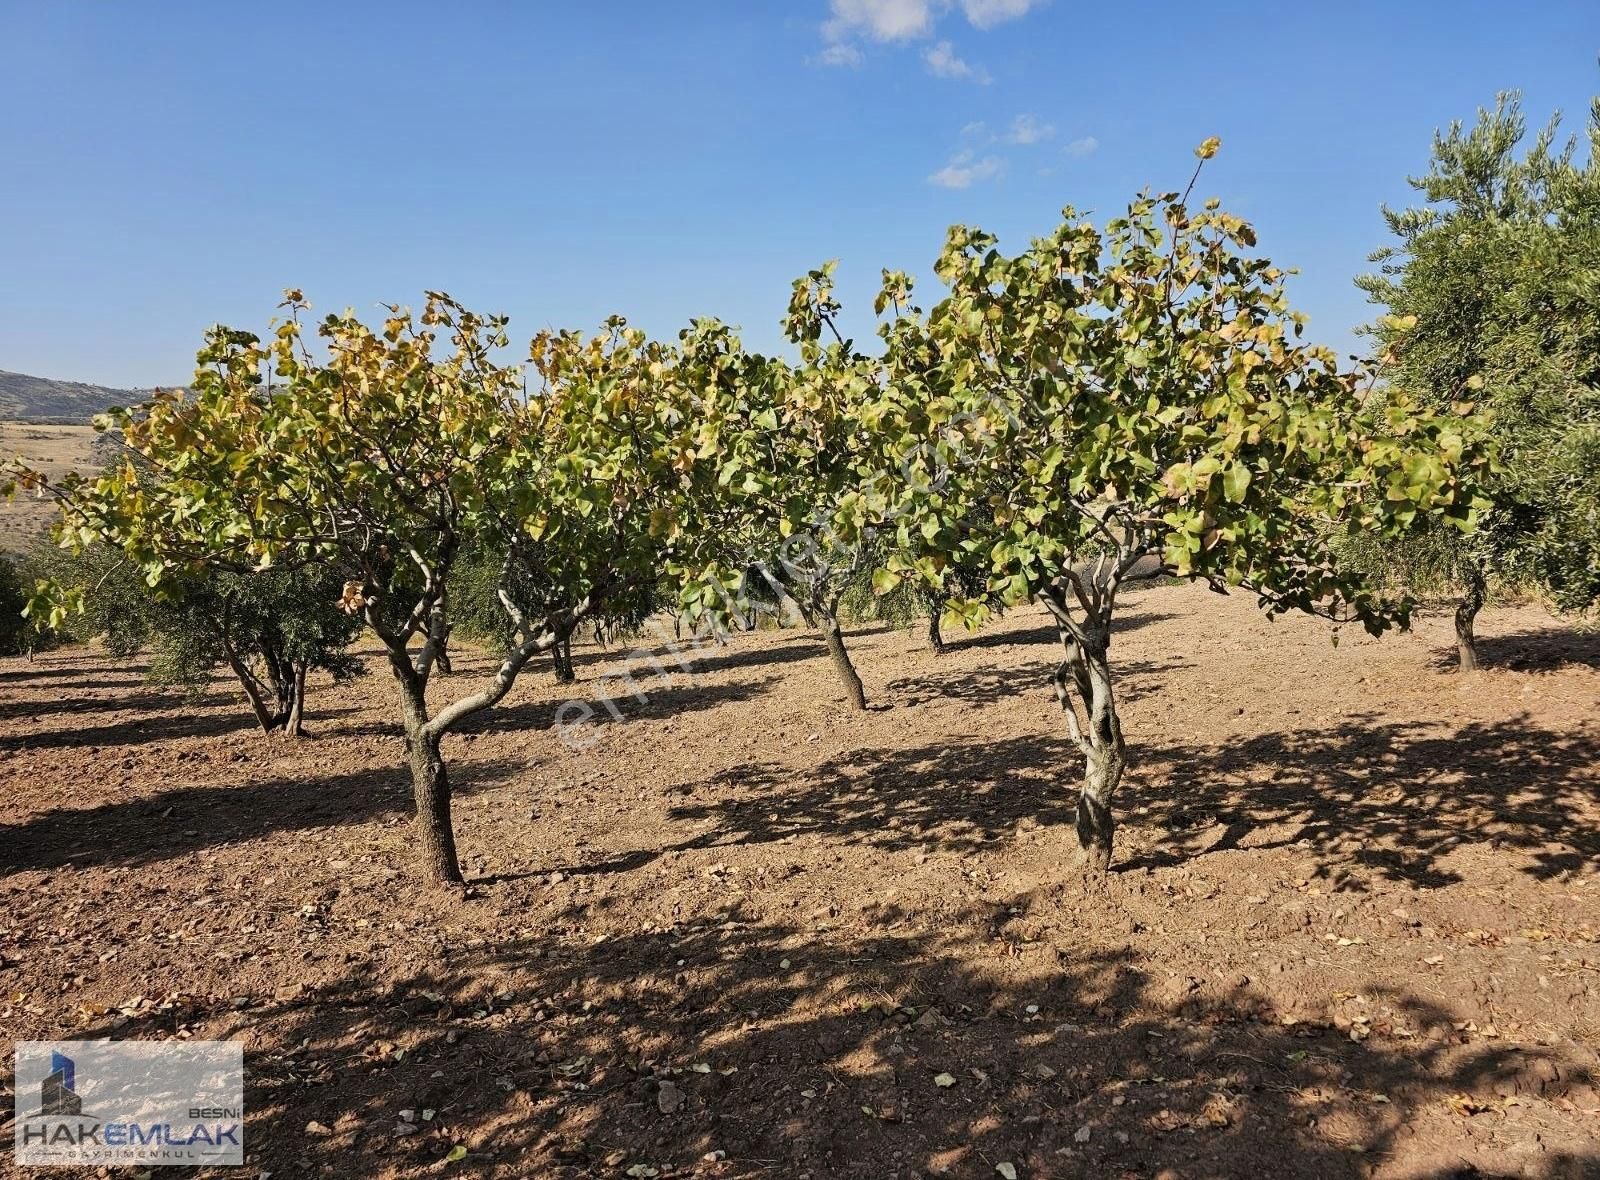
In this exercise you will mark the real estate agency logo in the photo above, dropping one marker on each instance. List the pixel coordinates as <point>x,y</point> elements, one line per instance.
<point>176,1103</point>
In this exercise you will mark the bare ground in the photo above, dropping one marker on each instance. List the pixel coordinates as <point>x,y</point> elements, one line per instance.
<point>1352,930</point>
<point>53,450</point>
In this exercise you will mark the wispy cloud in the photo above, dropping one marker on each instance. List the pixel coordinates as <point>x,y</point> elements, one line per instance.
<point>882,20</point>
<point>943,62</point>
<point>840,55</point>
<point>963,171</point>
<point>1086,146</point>
<point>909,20</point>
<point>1026,129</point>
<point>985,14</point>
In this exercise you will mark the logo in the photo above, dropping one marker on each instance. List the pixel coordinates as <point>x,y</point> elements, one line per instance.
<point>58,1093</point>
<point>129,1102</point>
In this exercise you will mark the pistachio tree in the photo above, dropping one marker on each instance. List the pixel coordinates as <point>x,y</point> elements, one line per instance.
<point>1120,402</point>
<point>787,510</point>
<point>385,455</point>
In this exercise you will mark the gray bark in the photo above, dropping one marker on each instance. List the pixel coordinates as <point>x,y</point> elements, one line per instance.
<point>1086,672</point>
<point>430,783</point>
<point>1467,608</point>
<point>833,636</point>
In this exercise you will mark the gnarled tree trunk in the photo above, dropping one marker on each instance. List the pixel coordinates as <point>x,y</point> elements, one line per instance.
<point>1467,608</point>
<point>1086,672</point>
<point>297,701</point>
<point>278,703</point>
<point>935,635</point>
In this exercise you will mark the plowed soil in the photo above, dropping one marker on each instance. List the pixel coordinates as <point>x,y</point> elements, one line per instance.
<point>1353,928</point>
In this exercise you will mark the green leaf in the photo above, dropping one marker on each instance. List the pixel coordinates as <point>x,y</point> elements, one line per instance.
<point>1236,482</point>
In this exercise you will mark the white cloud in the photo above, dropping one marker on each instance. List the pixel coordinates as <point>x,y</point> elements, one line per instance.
<point>883,20</point>
<point>962,171</point>
<point>910,20</point>
<point>985,14</point>
<point>943,62</point>
<point>840,55</point>
<point>1026,129</point>
<point>1082,147</point>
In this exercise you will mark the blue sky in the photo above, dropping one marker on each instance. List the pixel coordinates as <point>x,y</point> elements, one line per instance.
<point>166,166</point>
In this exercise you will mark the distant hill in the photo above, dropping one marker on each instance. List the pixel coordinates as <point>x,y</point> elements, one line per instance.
<point>66,403</point>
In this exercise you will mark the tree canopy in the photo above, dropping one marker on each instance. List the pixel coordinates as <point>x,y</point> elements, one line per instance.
<point>1114,404</point>
<point>1110,404</point>
<point>1492,298</point>
<point>388,456</point>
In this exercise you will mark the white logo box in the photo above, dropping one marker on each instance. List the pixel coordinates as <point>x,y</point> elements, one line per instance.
<point>144,1103</point>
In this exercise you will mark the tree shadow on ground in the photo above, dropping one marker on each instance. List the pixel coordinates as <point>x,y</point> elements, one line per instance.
<point>729,1046</point>
<point>710,659</point>
<point>1394,797</point>
<point>1047,633</point>
<point>620,698</point>
<point>953,797</point>
<point>1397,797</point>
<point>139,698</point>
<point>1531,651</point>
<point>182,820</point>
<point>199,722</point>
<point>211,717</point>
<point>76,661</point>
<point>984,686</point>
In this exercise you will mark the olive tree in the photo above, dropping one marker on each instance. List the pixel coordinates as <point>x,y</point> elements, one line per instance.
<point>17,636</point>
<point>1491,300</point>
<point>268,628</point>
<point>1117,403</point>
<point>384,456</point>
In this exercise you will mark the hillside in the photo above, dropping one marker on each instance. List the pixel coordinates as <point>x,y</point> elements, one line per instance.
<point>46,423</point>
<point>43,400</point>
<point>55,450</point>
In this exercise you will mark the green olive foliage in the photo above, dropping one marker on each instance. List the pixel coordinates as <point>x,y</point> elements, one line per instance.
<point>269,629</point>
<point>1492,298</point>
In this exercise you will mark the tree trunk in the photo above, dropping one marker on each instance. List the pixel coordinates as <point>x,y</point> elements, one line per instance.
<point>833,636</point>
<point>297,702</point>
<point>1467,608</point>
<point>253,690</point>
<point>935,636</point>
<point>1087,672</point>
<point>430,786</point>
<point>562,655</point>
